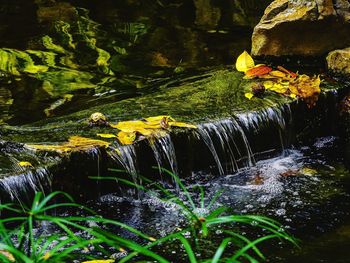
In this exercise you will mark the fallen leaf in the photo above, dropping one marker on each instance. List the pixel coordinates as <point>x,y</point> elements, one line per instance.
<point>257,71</point>
<point>278,74</point>
<point>106,135</point>
<point>74,144</point>
<point>126,138</point>
<point>249,95</point>
<point>290,73</point>
<point>151,127</point>
<point>244,62</point>
<point>25,164</point>
<point>308,171</point>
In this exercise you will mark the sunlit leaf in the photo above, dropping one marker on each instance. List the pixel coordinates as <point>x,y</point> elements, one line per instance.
<point>244,62</point>
<point>257,71</point>
<point>308,171</point>
<point>106,135</point>
<point>290,73</point>
<point>278,74</point>
<point>75,143</point>
<point>279,88</point>
<point>126,138</point>
<point>150,128</point>
<point>249,95</point>
<point>25,164</point>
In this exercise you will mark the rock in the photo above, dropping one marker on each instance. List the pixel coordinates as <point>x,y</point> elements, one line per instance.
<point>338,61</point>
<point>207,16</point>
<point>302,27</point>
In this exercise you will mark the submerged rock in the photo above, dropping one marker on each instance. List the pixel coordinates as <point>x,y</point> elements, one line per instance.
<point>338,61</point>
<point>302,27</point>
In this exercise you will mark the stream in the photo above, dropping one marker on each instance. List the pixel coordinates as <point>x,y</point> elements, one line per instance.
<point>272,155</point>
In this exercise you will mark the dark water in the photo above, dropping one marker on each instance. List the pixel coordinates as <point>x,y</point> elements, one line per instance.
<point>155,46</point>
<point>149,43</point>
<point>307,189</point>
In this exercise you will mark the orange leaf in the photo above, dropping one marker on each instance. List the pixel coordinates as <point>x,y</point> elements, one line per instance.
<point>258,71</point>
<point>290,73</point>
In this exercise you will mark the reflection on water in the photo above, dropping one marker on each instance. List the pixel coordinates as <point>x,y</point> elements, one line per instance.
<point>62,57</point>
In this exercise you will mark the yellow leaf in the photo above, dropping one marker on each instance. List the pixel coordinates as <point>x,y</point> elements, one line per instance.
<point>249,95</point>
<point>278,74</point>
<point>181,125</point>
<point>158,118</point>
<point>106,135</point>
<point>74,144</point>
<point>100,261</point>
<point>244,62</point>
<point>126,137</point>
<point>308,171</point>
<point>25,164</point>
<point>268,84</point>
<point>293,96</point>
<point>133,126</point>
<point>279,88</point>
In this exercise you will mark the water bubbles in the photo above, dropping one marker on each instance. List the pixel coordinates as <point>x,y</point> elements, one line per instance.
<point>281,212</point>
<point>219,232</point>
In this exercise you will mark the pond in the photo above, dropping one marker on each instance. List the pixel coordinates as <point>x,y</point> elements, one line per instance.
<point>274,155</point>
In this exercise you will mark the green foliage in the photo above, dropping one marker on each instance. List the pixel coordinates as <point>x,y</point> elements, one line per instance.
<point>234,247</point>
<point>27,247</point>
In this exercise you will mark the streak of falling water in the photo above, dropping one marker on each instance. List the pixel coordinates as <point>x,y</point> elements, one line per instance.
<point>18,185</point>
<point>163,148</point>
<point>126,156</point>
<point>166,145</point>
<point>274,115</point>
<point>204,133</point>
<point>225,131</point>
<point>250,154</point>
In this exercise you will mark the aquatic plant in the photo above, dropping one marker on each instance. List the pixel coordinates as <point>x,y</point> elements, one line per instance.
<point>20,240</point>
<point>203,220</point>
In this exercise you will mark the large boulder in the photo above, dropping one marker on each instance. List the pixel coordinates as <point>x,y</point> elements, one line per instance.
<point>302,27</point>
<point>338,61</point>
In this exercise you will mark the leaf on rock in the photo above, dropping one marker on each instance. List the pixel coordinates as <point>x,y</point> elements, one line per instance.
<point>74,144</point>
<point>257,71</point>
<point>149,128</point>
<point>106,135</point>
<point>126,138</point>
<point>288,72</point>
<point>249,95</point>
<point>308,171</point>
<point>25,164</point>
<point>244,62</point>
<point>307,88</point>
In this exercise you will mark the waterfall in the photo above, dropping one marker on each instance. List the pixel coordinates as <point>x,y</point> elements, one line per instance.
<point>17,186</point>
<point>126,156</point>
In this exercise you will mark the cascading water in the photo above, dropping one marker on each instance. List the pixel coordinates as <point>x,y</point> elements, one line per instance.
<point>17,186</point>
<point>126,156</point>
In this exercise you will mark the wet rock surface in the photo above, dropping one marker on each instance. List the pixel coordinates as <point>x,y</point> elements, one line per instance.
<point>338,61</point>
<point>305,28</point>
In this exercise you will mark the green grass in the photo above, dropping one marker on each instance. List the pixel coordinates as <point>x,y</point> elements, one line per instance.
<point>18,236</point>
<point>233,247</point>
